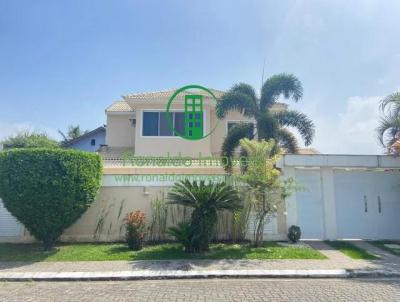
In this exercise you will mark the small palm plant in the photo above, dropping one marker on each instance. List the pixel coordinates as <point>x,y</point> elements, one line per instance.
<point>206,199</point>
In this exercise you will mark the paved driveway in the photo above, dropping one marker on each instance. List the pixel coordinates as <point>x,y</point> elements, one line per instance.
<point>206,290</point>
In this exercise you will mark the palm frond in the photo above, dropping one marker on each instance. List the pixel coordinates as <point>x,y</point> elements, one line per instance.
<point>65,138</point>
<point>281,84</point>
<point>392,103</point>
<point>298,120</point>
<point>197,194</point>
<point>288,141</point>
<point>241,98</point>
<point>267,126</point>
<point>245,89</point>
<point>389,129</point>
<point>232,140</point>
<point>183,194</point>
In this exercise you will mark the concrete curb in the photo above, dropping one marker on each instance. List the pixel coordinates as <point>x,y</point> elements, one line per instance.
<point>373,274</point>
<point>177,274</point>
<point>153,275</point>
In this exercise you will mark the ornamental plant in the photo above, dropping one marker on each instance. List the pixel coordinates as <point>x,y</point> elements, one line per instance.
<point>294,233</point>
<point>265,187</point>
<point>47,190</point>
<point>206,199</point>
<point>135,224</point>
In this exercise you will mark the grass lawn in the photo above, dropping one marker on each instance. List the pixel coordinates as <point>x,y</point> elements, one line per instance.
<point>381,245</point>
<point>119,251</point>
<point>351,250</point>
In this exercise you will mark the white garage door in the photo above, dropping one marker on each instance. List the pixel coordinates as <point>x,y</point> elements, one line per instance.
<point>309,204</point>
<point>9,226</point>
<point>367,204</point>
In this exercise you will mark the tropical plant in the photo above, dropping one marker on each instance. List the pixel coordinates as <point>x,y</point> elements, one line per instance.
<point>206,199</point>
<point>29,139</point>
<point>72,133</point>
<point>389,129</point>
<point>266,188</point>
<point>159,217</point>
<point>233,225</point>
<point>182,233</point>
<point>48,189</point>
<point>240,219</point>
<point>294,233</point>
<point>269,123</point>
<point>135,224</point>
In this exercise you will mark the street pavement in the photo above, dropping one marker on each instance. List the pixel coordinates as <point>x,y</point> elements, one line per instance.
<point>206,290</point>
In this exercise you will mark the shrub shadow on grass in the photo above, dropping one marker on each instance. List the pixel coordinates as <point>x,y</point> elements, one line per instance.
<point>18,254</point>
<point>122,249</point>
<point>168,251</point>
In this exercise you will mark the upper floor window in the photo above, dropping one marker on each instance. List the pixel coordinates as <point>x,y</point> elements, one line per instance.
<point>232,124</point>
<point>155,123</point>
<point>93,142</point>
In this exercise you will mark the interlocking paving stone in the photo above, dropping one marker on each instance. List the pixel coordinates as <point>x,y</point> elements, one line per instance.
<point>206,290</point>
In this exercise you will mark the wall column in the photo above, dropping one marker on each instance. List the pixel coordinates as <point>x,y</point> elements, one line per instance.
<point>290,202</point>
<point>329,206</point>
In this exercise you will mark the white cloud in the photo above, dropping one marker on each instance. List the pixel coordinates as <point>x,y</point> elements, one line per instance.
<point>8,129</point>
<point>351,131</point>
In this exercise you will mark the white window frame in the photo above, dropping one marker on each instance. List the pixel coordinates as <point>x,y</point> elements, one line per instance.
<point>158,110</point>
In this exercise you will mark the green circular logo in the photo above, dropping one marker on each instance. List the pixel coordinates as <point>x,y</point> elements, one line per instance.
<point>192,122</point>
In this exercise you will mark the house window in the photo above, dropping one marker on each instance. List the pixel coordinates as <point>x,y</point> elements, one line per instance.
<point>156,123</point>
<point>232,124</point>
<point>93,142</point>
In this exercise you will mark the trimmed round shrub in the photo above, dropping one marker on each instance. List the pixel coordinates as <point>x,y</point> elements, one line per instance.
<point>48,189</point>
<point>294,233</point>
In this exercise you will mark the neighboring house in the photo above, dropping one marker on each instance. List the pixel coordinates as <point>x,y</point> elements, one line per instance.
<point>90,141</point>
<point>138,123</point>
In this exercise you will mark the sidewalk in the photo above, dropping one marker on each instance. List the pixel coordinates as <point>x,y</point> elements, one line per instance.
<point>337,265</point>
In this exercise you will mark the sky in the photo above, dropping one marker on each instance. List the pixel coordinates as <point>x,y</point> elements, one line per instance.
<point>64,62</point>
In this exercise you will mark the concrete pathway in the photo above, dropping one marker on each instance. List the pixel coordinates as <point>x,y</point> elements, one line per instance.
<point>386,260</point>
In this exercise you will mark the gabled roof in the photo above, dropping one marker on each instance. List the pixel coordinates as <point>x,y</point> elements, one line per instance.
<point>120,106</point>
<point>88,134</point>
<point>127,104</point>
<point>166,94</point>
<point>308,151</point>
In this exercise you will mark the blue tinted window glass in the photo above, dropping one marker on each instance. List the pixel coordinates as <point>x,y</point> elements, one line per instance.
<point>150,123</point>
<point>179,123</point>
<point>165,129</point>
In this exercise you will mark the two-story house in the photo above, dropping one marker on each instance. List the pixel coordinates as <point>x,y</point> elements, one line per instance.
<point>138,123</point>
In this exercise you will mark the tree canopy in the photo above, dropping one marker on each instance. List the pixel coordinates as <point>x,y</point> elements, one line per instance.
<point>388,130</point>
<point>28,139</point>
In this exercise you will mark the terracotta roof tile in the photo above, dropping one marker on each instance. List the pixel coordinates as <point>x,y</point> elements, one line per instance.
<point>166,94</point>
<point>120,106</point>
<point>128,102</point>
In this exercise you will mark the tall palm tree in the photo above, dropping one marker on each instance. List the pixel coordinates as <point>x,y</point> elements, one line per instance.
<point>389,129</point>
<point>269,123</point>
<point>72,133</point>
<point>206,199</point>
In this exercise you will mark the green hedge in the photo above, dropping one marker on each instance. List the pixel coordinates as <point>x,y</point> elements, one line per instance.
<point>48,189</point>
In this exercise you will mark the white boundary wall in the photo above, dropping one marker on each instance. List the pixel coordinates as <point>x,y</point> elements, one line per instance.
<point>326,166</point>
